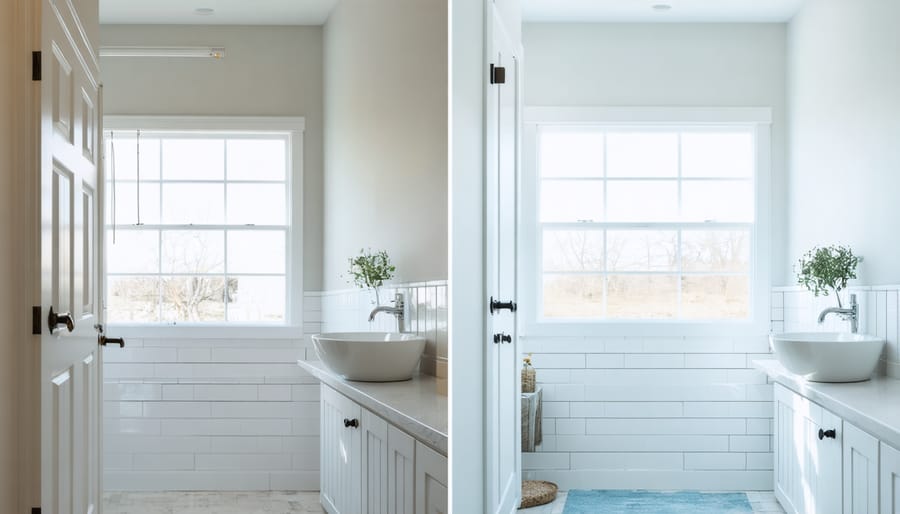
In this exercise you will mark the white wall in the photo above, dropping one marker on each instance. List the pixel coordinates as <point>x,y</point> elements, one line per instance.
<point>8,305</point>
<point>267,71</point>
<point>657,412</point>
<point>708,65</point>
<point>386,136</point>
<point>844,62</point>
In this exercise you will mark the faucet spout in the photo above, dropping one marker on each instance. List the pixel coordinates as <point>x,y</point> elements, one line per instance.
<point>397,311</point>
<point>851,314</point>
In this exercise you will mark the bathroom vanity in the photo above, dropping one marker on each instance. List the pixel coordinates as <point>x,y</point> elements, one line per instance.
<point>836,445</point>
<point>383,445</point>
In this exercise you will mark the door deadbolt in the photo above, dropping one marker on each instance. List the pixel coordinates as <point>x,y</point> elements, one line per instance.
<point>502,338</point>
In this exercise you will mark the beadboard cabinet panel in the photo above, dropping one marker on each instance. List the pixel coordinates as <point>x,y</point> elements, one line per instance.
<point>860,471</point>
<point>401,472</point>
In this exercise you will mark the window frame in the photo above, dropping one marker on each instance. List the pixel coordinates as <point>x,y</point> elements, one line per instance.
<point>756,119</point>
<point>292,128</point>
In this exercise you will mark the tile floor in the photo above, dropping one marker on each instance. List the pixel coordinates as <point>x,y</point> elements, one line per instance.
<point>762,502</point>
<point>274,502</point>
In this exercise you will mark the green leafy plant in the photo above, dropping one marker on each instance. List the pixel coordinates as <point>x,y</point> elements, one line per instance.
<point>826,269</point>
<point>369,270</point>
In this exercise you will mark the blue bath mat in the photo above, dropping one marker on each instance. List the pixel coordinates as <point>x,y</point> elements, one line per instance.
<point>651,502</point>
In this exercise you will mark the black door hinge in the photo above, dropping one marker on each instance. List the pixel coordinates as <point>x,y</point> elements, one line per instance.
<point>36,65</point>
<point>36,320</point>
<point>498,75</point>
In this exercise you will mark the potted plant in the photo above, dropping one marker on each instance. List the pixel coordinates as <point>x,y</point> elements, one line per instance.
<point>369,270</point>
<point>826,269</point>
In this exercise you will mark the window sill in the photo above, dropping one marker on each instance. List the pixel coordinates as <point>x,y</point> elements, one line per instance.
<point>205,331</point>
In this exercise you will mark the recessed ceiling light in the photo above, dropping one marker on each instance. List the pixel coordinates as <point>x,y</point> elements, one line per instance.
<point>661,7</point>
<point>204,11</point>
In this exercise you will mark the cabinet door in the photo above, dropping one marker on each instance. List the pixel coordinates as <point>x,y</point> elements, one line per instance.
<point>374,431</point>
<point>401,472</point>
<point>890,480</point>
<point>431,481</point>
<point>340,453</point>
<point>807,469</point>
<point>860,471</point>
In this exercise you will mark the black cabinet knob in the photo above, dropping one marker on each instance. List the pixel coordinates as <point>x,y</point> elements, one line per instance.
<point>351,423</point>
<point>502,338</point>
<point>831,434</point>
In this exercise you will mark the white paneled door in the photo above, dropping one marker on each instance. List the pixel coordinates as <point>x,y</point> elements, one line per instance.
<point>503,429</point>
<point>70,251</point>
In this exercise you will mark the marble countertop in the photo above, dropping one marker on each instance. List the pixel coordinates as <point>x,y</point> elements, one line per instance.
<point>872,406</point>
<point>413,406</point>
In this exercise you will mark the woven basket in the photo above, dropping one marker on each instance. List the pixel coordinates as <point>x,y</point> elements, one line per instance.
<point>537,492</point>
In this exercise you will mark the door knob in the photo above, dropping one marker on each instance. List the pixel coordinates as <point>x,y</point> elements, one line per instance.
<point>497,305</point>
<point>351,423</point>
<point>56,320</point>
<point>103,340</point>
<point>831,434</point>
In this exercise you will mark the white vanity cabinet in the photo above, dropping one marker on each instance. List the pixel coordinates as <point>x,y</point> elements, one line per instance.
<point>860,471</point>
<point>807,467</point>
<point>890,480</point>
<point>341,453</point>
<point>369,466</point>
<point>826,465</point>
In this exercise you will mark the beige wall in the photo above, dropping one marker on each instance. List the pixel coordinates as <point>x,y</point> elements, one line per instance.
<point>386,136</point>
<point>267,71</point>
<point>8,355</point>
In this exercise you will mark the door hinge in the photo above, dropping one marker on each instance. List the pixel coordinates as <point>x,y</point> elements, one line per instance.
<point>498,75</point>
<point>36,65</point>
<point>36,320</point>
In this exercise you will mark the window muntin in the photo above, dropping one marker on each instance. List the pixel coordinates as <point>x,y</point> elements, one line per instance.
<point>645,222</point>
<point>210,242</point>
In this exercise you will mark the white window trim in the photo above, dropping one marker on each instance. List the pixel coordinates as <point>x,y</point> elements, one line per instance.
<point>294,128</point>
<point>757,118</point>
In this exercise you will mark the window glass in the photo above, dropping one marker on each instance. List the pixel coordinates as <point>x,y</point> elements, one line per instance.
<point>201,238</point>
<point>664,222</point>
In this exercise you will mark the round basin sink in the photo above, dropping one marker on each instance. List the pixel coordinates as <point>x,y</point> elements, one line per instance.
<point>370,356</point>
<point>828,356</point>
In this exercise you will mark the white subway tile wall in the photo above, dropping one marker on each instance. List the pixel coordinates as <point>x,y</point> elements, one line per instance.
<point>236,414</point>
<point>652,412</point>
<point>676,412</point>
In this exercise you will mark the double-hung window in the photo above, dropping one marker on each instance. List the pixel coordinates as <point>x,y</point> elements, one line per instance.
<point>201,220</point>
<point>642,217</point>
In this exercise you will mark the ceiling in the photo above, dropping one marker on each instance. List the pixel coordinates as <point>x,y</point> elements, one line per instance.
<point>641,11</point>
<point>226,12</point>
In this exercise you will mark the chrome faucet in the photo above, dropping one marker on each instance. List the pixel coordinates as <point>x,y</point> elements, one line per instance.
<point>851,314</point>
<point>396,310</point>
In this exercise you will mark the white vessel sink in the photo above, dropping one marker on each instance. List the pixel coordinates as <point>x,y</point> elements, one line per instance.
<point>828,356</point>
<point>370,356</point>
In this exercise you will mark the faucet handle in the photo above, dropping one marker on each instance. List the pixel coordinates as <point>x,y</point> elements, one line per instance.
<point>398,299</point>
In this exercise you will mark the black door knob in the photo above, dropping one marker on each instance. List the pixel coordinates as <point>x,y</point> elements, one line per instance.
<point>831,434</point>
<point>497,305</point>
<point>55,320</point>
